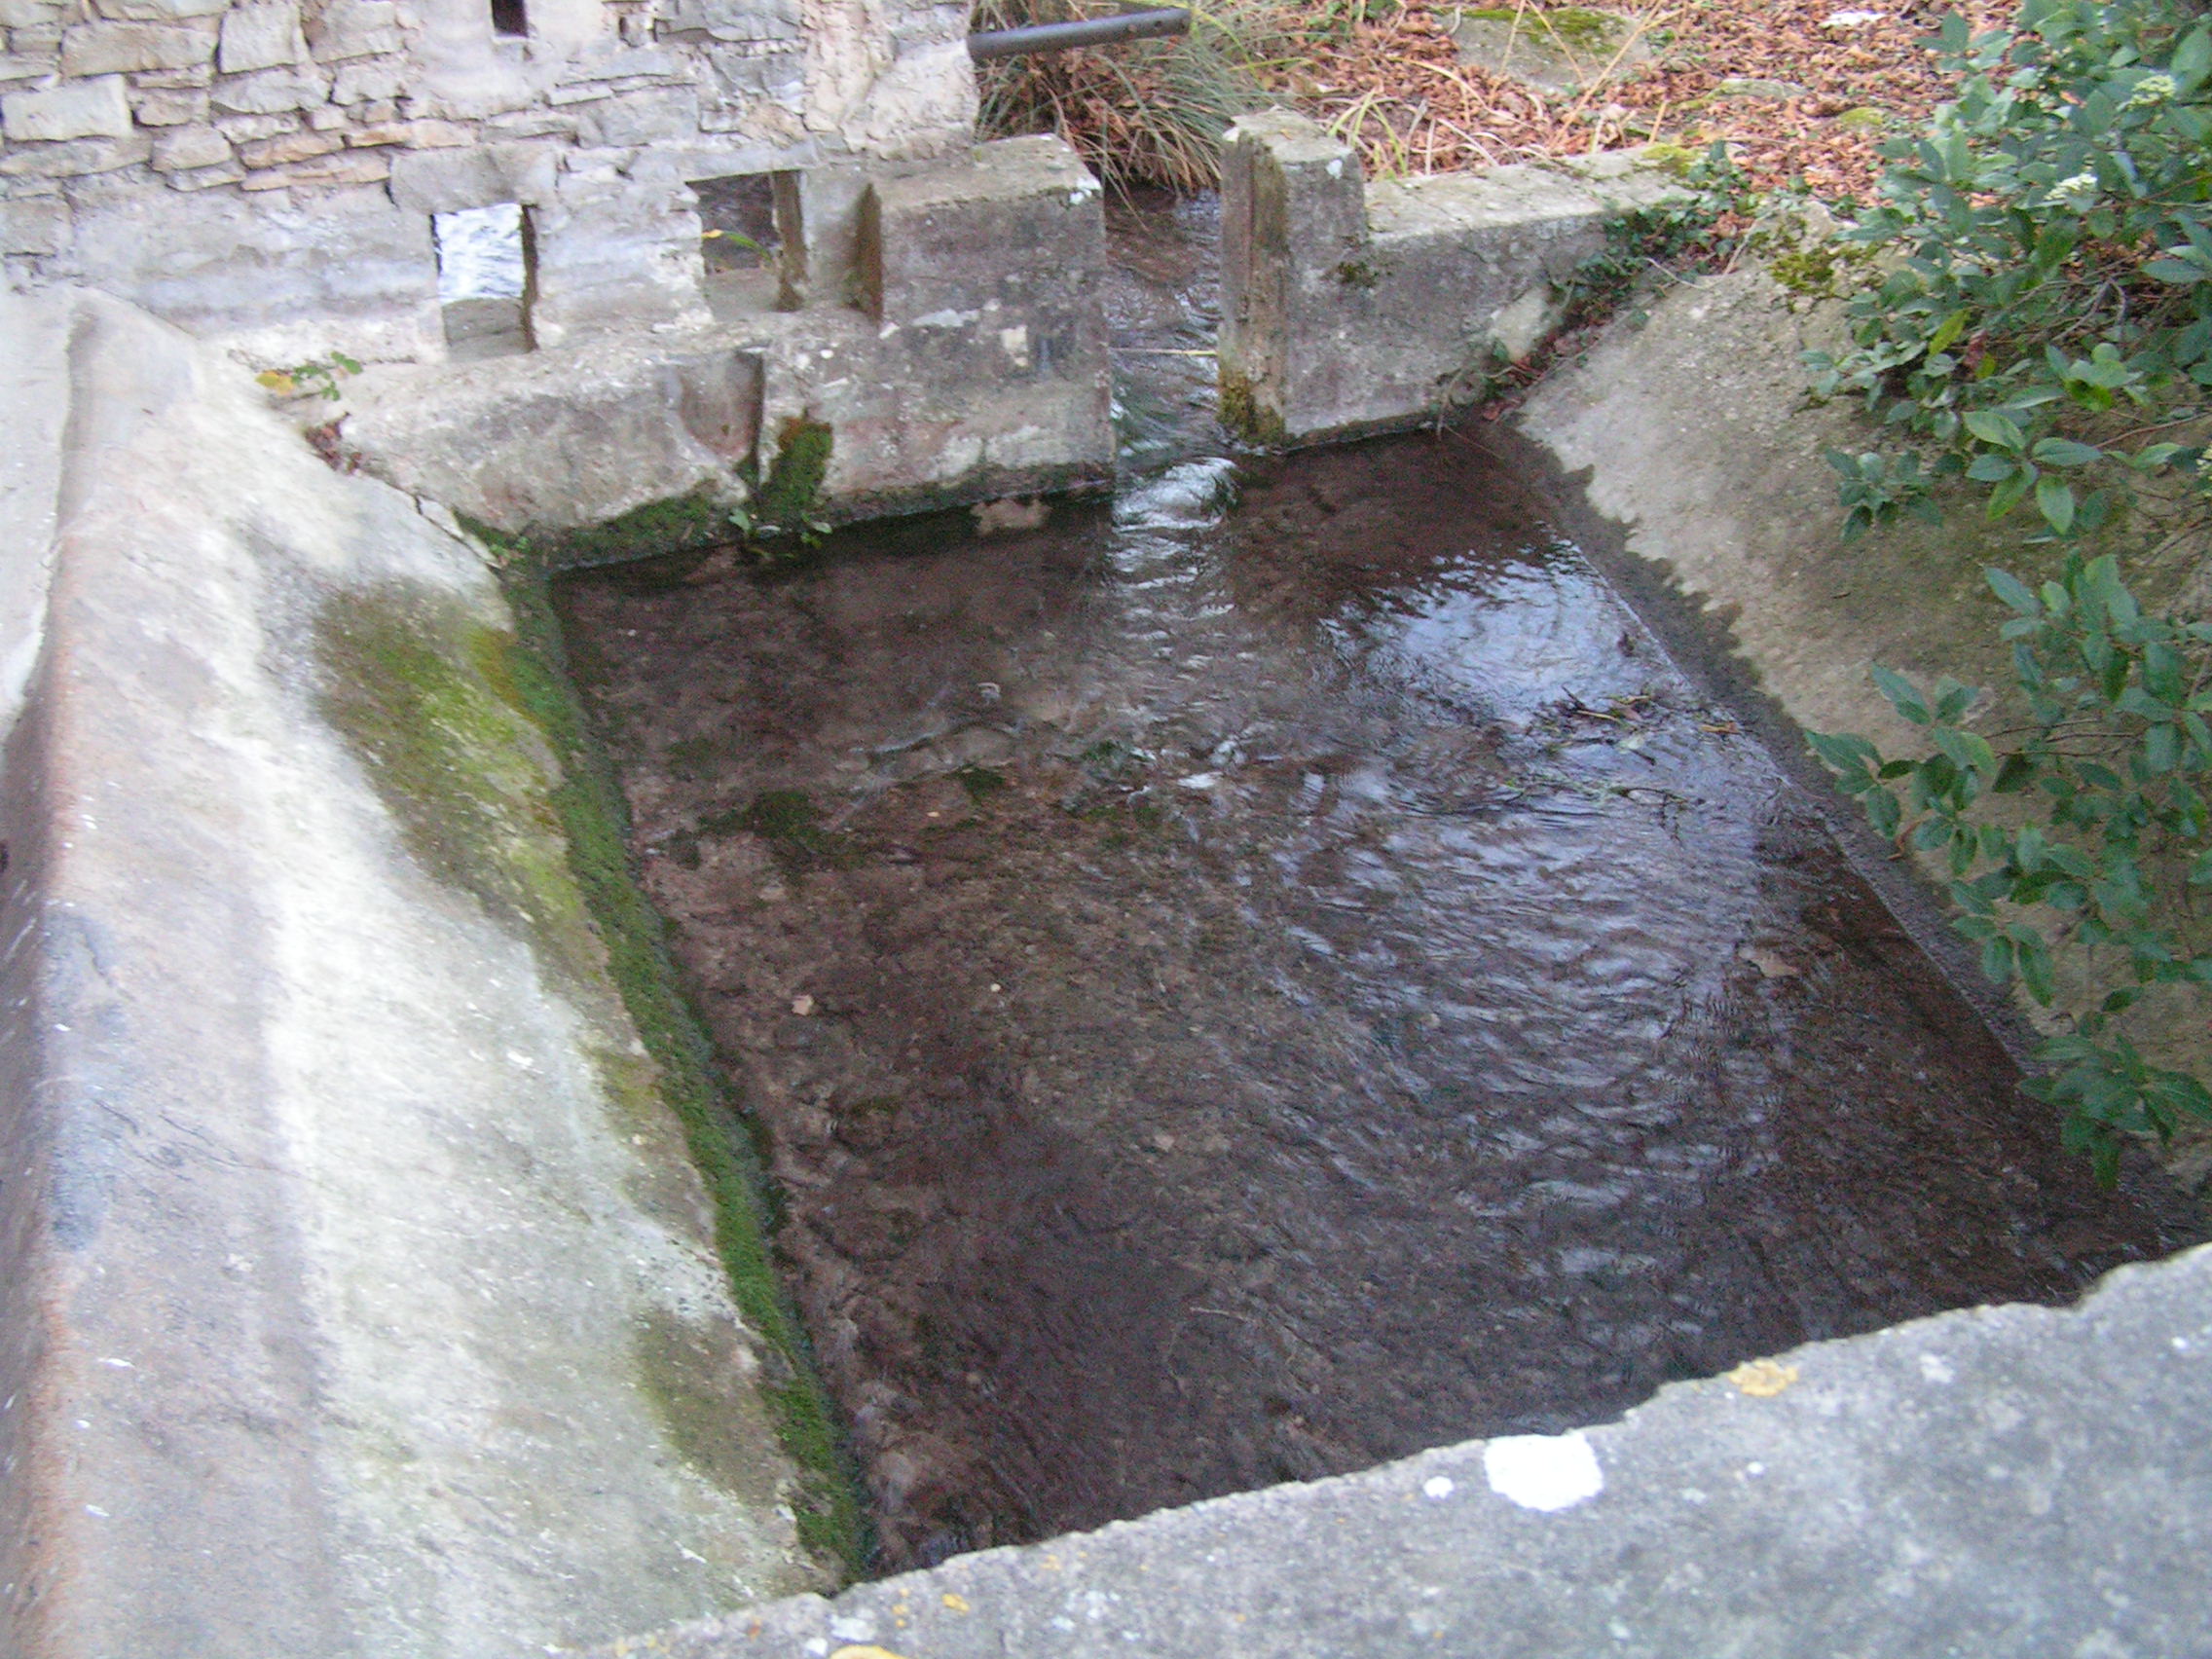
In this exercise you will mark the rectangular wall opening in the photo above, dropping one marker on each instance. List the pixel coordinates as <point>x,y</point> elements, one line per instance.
<point>487,279</point>
<point>742,242</point>
<point>510,17</point>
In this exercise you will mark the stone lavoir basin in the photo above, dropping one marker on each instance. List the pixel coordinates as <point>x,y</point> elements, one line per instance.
<point>1279,972</point>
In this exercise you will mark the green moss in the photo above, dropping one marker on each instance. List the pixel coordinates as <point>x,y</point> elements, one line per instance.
<point>981,782</point>
<point>589,805</point>
<point>1806,271</point>
<point>1575,28</point>
<point>786,498</point>
<point>425,690</point>
<point>1242,413</point>
<point>1358,274</point>
<point>679,525</point>
<point>1673,159</point>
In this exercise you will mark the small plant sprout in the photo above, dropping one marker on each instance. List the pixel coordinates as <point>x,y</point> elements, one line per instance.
<point>318,375</point>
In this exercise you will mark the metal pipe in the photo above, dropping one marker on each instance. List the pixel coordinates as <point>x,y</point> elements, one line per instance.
<point>1088,32</point>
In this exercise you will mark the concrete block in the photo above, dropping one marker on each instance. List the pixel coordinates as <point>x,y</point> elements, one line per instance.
<point>1015,223</point>
<point>1351,308</point>
<point>268,90</point>
<point>83,109</point>
<point>265,35</point>
<point>1005,403</point>
<point>561,438</point>
<point>75,157</point>
<point>343,29</point>
<point>614,254</point>
<point>39,225</point>
<point>445,181</point>
<point>106,49</point>
<point>188,147</point>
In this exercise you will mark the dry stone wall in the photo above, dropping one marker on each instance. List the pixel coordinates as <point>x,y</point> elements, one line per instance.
<point>266,169</point>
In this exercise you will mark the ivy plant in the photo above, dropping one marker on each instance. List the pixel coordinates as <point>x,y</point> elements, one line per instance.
<point>2042,320</point>
<point>2107,847</point>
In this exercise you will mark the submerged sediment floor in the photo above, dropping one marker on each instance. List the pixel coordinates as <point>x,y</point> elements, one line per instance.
<point>1279,973</point>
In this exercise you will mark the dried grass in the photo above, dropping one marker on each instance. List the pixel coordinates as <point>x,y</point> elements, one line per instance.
<point>1386,77</point>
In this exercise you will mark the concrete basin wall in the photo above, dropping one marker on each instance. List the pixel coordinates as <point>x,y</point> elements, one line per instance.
<point>357,1292</point>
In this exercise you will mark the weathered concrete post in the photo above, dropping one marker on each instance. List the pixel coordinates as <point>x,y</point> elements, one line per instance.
<point>1293,208</point>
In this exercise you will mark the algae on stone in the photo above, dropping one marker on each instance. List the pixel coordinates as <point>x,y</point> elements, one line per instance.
<point>473,741</point>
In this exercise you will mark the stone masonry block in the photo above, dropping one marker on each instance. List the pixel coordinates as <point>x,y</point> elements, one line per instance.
<point>189,147</point>
<point>30,14</point>
<point>366,82</point>
<point>39,226</point>
<point>161,11</point>
<point>353,28</point>
<point>445,181</point>
<point>245,129</point>
<point>79,109</point>
<point>107,49</point>
<point>267,92</point>
<point>199,77</point>
<point>635,120</point>
<point>1016,224</point>
<point>289,147</point>
<point>354,167</point>
<point>206,179</point>
<point>736,19</point>
<point>261,37</point>
<point>77,157</point>
<point>26,66</point>
<point>159,106</point>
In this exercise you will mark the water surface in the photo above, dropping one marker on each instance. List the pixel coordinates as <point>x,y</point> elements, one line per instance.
<point>1280,972</point>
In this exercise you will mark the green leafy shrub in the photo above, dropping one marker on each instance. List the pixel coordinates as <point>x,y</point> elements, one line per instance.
<point>2047,307</point>
<point>2113,838</point>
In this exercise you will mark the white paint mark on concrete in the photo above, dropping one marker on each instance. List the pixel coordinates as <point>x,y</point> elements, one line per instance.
<point>1437,1486</point>
<point>1543,1471</point>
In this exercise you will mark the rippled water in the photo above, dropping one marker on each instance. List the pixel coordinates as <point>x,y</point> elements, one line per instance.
<point>1282,971</point>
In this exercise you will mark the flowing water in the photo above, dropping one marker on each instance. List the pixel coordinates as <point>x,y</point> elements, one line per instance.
<point>1281,971</point>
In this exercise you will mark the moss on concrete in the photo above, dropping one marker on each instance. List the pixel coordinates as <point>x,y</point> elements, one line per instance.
<point>829,1516</point>
<point>476,745</point>
<point>679,525</point>
<point>793,484</point>
<point>1244,414</point>
<point>416,680</point>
